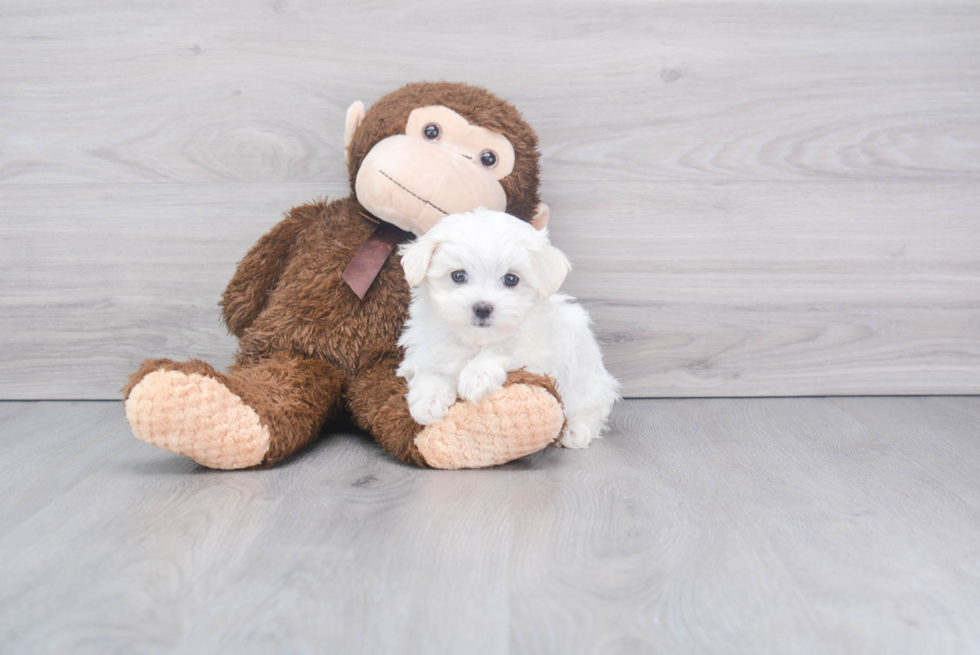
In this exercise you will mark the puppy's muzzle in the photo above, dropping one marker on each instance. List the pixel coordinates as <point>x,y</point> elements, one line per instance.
<point>482,311</point>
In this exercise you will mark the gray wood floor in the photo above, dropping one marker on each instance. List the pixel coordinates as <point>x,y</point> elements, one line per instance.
<point>804,525</point>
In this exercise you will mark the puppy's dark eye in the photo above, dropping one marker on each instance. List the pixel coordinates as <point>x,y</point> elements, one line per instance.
<point>459,276</point>
<point>511,280</point>
<point>488,158</point>
<point>431,131</point>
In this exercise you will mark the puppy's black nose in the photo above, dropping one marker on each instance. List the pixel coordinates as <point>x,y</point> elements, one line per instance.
<point>483,310</point>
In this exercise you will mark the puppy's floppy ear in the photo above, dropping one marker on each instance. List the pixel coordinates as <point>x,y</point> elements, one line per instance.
<point>416,257</point>
<point>551,266</point>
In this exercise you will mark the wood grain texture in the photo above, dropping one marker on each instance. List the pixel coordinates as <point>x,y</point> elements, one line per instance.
<point>705,298</point>
<point>227,92</point>
<point>759,199</point>
<point>698,526</point>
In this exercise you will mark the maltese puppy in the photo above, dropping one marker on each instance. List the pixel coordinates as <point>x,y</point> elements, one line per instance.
<point>485,302</point>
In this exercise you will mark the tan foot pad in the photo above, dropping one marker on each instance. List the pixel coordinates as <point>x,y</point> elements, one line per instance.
<point>196,416</point>
<point>516,421</point>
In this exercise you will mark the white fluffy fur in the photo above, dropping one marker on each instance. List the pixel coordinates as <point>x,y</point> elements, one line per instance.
<point>448,352</point>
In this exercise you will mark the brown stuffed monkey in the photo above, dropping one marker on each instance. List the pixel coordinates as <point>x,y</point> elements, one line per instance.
<point>319,302</point>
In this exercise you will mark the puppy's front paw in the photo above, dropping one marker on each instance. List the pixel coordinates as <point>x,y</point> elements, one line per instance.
<point>577,435</point>
<point>477,382</point>
<point>427,407</point>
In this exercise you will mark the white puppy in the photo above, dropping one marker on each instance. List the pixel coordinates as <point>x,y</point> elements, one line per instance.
<point>485,302</point>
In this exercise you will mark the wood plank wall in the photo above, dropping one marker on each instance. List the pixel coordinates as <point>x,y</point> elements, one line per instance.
<point>759,198</point>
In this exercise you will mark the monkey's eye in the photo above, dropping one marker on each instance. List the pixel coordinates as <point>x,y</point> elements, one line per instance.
<point>459,277</point>
<point>488,158</point>
<point>431,131</point>
<point>511,280</point>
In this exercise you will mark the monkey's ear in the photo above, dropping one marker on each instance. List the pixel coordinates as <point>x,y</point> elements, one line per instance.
<point>355,114</point>
<point>541,216</point>
<point>416,257</point>
<point>551,266</point>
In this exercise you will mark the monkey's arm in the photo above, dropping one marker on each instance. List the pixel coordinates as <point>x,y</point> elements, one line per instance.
<point>258,273</point>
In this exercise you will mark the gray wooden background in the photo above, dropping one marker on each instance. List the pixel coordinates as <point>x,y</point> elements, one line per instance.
<point>758,199</point>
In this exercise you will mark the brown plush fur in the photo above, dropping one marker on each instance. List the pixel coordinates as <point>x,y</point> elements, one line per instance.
<point>308,344</point>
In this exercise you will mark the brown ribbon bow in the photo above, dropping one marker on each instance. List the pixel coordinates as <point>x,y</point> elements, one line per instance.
<point>364,268</point>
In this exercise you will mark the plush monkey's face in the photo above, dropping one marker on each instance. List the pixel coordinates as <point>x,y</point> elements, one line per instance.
<point>415,168</point>
<point>441,165</point>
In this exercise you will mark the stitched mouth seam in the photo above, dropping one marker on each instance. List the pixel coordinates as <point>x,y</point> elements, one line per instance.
<point>408,191</point>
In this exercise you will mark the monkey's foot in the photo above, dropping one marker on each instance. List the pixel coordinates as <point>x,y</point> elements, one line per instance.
<point>522,418</point>
<point>196,416</point>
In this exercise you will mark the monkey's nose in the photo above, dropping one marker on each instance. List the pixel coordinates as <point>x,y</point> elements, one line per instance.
<point>482,310</point>
<point>459,149</point>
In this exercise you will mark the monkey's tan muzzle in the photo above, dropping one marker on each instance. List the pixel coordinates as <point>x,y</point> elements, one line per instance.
<point>413,184</point>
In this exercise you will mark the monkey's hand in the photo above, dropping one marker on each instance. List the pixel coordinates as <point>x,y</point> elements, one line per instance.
<point>247,293</point>
<point>523,417</point>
